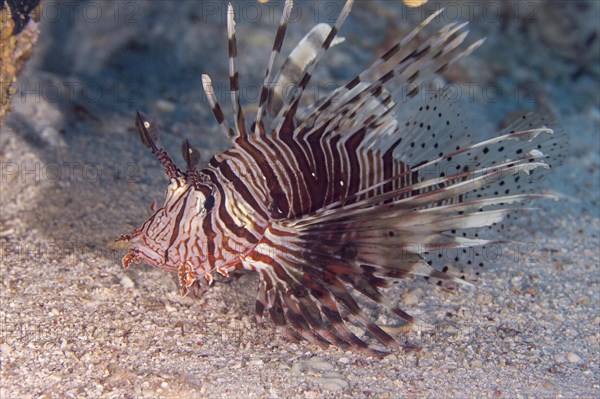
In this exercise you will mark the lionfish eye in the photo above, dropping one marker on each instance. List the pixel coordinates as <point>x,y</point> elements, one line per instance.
<point>209,203</point>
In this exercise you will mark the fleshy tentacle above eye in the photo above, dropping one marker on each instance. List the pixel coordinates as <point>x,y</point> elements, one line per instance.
<point>149,133</point>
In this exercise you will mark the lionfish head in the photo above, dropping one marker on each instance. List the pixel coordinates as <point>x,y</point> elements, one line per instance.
<point>168,239</point>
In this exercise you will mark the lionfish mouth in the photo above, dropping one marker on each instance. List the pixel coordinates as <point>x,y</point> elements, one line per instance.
<point>124,242</point>
<point>131,257</point>
<point>187,276</point>
<point>120,243</point>
<point>142,249</point>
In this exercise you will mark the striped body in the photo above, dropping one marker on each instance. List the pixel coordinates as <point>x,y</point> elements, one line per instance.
<point>340,197</point>
<point>300,176</point>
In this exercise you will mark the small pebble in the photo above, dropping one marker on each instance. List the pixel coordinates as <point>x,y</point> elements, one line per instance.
<point>332,382</point>
<point>484,299</point>
<point>312,394</point>
<point>126,282</point>
<point>573,358</point>
<point>170,308</point>
<point>411,297</point>
<point>5,349</point>
<point>7,232</point>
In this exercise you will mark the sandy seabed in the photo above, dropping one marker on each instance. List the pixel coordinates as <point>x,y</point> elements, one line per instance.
<point>74,177</point>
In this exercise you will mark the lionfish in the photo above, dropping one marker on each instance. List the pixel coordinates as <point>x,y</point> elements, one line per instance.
<point>337,199</point>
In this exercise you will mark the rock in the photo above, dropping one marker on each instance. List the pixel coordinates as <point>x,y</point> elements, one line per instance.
<point>16,46</point>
